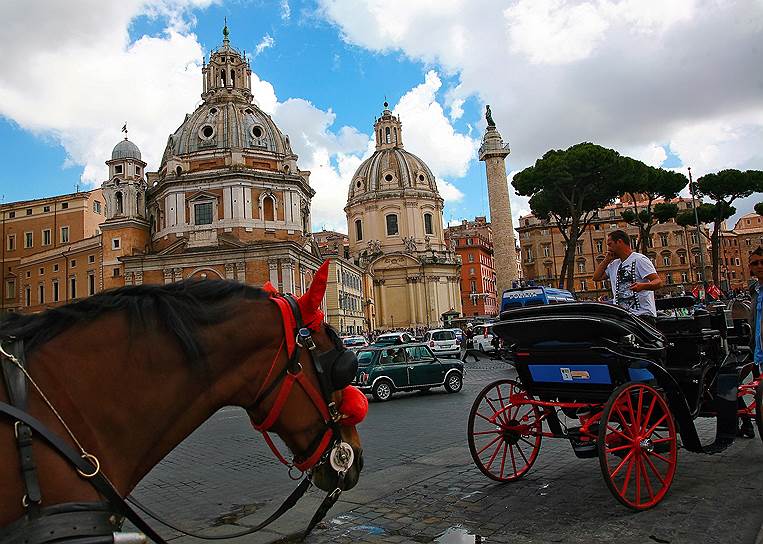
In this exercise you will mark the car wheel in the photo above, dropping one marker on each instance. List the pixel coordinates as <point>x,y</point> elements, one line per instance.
<point>453,383</point>
<point>382,390</point>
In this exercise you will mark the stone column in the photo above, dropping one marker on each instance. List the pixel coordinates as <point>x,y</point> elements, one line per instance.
<point>493,152</point>
<point>241,271</point>
<point>412,301</point>
<point>273,268</point>
<point>229,267</point>
<point>287,272</point>
<point>129,278</point>
<point>178,274</point>
<point>167,275</point>
<point>139,277</point>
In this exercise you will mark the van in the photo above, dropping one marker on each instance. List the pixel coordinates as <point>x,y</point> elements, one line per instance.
<point>483,338</point>
<point>534,296</point>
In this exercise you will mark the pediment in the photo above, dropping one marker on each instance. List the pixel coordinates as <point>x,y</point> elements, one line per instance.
<point>201,195</point>
<point>391,261</point>
<point>175,248</point>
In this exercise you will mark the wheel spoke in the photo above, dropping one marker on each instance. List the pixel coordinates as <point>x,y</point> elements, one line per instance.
<point>654,469</point>
<point>513,459</point>
<point>638,479</point>
<point>523,439</point>
<point>619,448</point>
<point>627,477</point>
<point>618,433</point>
<point>622,463</point>
<point>627,426</point>
<point>503,458</point>
<point>647,481</point>
<point>479,433</point>
<point>519,449</point>
<point>648,433</point>
<point>648,415</point>
<point>485,417</point>
<point>660,457</point>
<point>493,441</point>
<point>492,457</point>
<point>640,406</point>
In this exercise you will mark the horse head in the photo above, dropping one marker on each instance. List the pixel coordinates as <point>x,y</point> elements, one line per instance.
<point>330,368</point>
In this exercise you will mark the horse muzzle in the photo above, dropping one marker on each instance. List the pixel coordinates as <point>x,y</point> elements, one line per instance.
<point>326,478</point>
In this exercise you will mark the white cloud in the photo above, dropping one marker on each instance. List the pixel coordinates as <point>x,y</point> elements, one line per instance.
<point>634,75</point>
<point>428,133</point>
<point>652,153</point>
<point>449,192</point>
<point>266,42</point>
<point>285,10</point>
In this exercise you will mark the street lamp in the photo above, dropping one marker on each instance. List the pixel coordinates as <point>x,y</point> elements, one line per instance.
<point>699,234</point>
<point>393,320</point>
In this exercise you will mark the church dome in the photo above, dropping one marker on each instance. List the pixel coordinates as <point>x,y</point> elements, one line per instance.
<point>391,168</point>
<point>227,126</point>
<point>125,150</point>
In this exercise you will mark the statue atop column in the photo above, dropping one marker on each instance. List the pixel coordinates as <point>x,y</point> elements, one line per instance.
<point>489,116</point>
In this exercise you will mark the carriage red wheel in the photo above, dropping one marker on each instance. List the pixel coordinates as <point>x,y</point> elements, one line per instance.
<point>504,431</point>
<point>637,445</point>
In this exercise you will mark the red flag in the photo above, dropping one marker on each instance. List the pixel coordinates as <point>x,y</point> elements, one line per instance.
<point>714,291</point>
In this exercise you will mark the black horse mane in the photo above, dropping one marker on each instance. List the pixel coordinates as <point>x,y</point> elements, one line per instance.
<point>179,308</point>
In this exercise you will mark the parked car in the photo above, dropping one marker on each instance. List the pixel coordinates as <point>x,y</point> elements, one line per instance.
<point>354,342</point>
<point>384,370</point>
<point>460,338</point>
<point>393,338</point>
<point>483,338</point>
<point>442,342</point>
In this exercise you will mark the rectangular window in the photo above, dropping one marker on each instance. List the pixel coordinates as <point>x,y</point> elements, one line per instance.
<point>581,267</point>
<point>471,258</point>
<point>91,284</point>
<point>72,263</point>
<point>600,246</point>
<point>684,277</point>
<point>46,237</point>
<point>428,224</point>
<point>650,242</point>
<point>42,271</point>
<point>117,168</point>
<point>116,243</point>
<point>546,251</point>
<point>391,225</point>
<point>42,294</point>
<point>583,285</point>
<point>137,170</point>
<point>693,237</point>
<point>11,242</point>
<point>73,287</point>
<point>46,208</point>
<point>669,279</point>
<point>115,272</point>
<point>634,242</point>
<point>29,211</point>
<point>28,239</point>
<point>55,291</point>
<point>10,289</point>
<point>96,206</point>
<point>55,267</point>
<point>358,229</point>
<point>64,235</point>
<point>28,296</point>
<point>203,213</point>
<point>579,248</point>
<point>64,205</point>
<point>664,239</point>
<point>666,260</point>
<point>473,286</point>
<point>91,258</point>
<point>11,214</point>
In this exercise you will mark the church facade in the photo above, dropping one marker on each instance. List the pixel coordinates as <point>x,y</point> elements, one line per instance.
<point>228,200</point>
<point>394,218</point>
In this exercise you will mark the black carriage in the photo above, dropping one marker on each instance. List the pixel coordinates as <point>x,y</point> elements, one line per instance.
<point>617,388</point>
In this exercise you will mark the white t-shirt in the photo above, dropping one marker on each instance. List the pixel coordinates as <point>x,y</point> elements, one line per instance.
<point>622,274</point>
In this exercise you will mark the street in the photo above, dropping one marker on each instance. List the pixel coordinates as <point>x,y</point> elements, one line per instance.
<point>419,485</point>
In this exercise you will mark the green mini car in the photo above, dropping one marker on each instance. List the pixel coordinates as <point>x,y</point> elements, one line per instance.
<point>386,369</point>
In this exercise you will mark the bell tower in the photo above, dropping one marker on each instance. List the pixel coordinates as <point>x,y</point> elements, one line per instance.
<point>126,229</point>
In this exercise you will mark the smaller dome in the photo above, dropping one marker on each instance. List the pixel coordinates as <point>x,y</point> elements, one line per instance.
<point>125,150</point>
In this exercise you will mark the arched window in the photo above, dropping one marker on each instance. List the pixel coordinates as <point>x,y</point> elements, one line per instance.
<point>391,224</point>
<point>268,209</point>
<point>358,229</point>
<point>428,229</point>
<point>395,132</point>
<point>386,135</point>
<point>222,77</point>
<point>140,204</point>
<point>232,78</point>
<point>120,205</point>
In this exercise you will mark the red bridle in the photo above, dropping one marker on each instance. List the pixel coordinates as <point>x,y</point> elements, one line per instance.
<point>326,407</point>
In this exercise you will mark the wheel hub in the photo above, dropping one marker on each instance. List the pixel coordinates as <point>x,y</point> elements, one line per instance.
<point>646,444</point>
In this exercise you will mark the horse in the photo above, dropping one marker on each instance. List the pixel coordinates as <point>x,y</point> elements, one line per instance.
<point>133,371</point>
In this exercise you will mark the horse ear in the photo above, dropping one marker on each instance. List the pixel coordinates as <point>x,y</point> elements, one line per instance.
<point>269,288</point>
<point>311,300</point>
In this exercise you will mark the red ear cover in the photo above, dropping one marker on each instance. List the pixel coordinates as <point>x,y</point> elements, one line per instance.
<point>310,302</point>
<point>354,406</point>
<point>269,288</point>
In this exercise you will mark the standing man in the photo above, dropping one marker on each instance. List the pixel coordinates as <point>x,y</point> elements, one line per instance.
<point>632,275</point>
<point>756,321</point>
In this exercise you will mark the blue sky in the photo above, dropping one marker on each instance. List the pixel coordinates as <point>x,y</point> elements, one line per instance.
<point>640,77</point>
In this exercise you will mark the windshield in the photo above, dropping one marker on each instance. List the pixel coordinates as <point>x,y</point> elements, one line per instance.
<point>387,340</point>
<point>365,358</point>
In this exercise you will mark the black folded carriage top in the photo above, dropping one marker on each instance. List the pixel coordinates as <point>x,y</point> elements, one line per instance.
<point>575,322</point>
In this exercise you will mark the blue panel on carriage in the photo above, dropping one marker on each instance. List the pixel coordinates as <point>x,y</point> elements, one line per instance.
<point>564,373</point>
<point>640,375</point>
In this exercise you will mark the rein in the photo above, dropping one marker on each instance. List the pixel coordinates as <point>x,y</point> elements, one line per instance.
<point>326,447</point>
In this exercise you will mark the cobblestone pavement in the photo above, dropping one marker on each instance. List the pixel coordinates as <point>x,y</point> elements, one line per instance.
<point>420,485</point>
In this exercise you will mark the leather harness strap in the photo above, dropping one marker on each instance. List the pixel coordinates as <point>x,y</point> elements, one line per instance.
<point>16,385</point>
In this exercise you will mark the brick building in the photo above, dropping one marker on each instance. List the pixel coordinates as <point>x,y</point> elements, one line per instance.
<point>673,249</point>
<point>51,250</point>
<point>473,242</point>
<point>749,234</point>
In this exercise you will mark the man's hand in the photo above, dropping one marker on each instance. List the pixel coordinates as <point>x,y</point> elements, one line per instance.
<point>637,287</point>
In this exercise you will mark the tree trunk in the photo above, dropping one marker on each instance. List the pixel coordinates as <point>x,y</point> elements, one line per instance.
<point>715,252</point>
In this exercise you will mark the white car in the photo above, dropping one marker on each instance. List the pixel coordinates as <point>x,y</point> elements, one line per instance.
<point>443,342</point>
<point>483,338</point>
<point>354,342</point>
<point>393,338</point>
